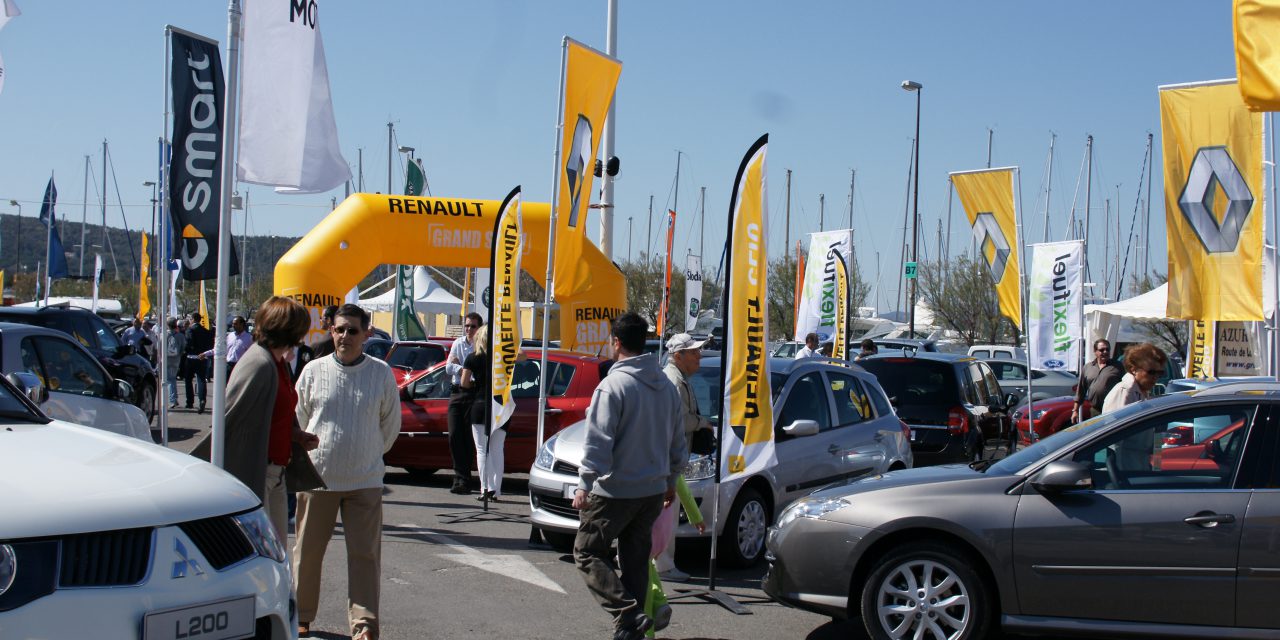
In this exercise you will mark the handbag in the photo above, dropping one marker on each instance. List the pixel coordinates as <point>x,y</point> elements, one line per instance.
<point>301,474</point>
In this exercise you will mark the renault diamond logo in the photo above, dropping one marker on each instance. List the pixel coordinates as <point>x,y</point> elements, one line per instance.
<point>986,228</point>
<point>576,165</point>
<point>184,562</point>
<point>1213,167</point>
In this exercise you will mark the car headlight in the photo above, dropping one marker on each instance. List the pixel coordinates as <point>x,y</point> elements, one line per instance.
<point>261,533</point>
<point>1038,413</point>
<point>546,459</point>
<point>8,567</point>
<point>700,468</point>
<point>810,508</point>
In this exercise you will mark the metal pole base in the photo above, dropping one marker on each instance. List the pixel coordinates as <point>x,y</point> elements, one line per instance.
<point>713,596</point>
<point>482,515</point>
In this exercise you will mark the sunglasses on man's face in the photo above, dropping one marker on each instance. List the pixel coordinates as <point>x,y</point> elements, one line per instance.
<point>346,331</point>
<point>471,326</point>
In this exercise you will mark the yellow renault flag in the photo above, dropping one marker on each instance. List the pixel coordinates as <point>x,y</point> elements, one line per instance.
<point>204,308</point>
<point>840,335</point>
<point>589,80</point>
<point>144,281</point>
<point>1212,201</point>
<point>747,445</point>
<point>1257,30</point>
<point>987,196</point>
<point>504,307</point>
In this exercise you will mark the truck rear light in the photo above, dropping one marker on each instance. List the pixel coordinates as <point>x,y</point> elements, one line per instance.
<point>906,430</point>
<point>957,420</point>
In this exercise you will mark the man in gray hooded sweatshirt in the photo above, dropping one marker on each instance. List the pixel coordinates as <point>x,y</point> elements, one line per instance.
<point>633,450</point>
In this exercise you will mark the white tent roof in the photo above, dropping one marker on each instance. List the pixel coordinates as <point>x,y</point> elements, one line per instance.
<point>106,305</point>
<point>429,297</point>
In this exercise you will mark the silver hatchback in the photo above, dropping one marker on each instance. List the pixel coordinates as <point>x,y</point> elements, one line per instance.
<point>832,421</point>
<point>1113,527</point>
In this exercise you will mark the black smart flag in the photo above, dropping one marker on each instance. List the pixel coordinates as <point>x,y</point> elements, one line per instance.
<point>195,172</point>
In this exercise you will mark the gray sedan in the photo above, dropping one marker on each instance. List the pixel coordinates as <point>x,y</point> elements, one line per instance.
<point>1108,528</point>
<point>1012,377</point>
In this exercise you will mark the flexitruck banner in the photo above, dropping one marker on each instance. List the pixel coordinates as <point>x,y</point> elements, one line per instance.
<point>747,442</point>
<point>1055,319</point>
<point>195,171</point>
<point>1213,202</point>
<point>840,336</point>
<point>818,296</point>
<point>590,78</point>
<point>504,312</point>
<point>1257,28</point>
<point>692,291</point>
<point>987,197</point>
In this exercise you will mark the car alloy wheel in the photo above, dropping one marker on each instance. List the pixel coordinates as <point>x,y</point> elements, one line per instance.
<point>743,538</point>
<point>147,400</point>
<point>925,591</point>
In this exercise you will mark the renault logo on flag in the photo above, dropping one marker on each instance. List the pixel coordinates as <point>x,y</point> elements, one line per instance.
<point>986,228</point>
<point>1212,168</point>
<point>576,164</point>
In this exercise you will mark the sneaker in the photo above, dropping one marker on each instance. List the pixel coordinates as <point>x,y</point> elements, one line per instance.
<point>633,629</point>
<point>674,575</point>
<point>662,617</point>
<point>304,629</point>
<point>173,405</point>
<point>460,488</point>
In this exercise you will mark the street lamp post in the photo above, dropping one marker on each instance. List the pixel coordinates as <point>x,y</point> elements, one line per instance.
<point>918,88</point>
<point>18,265</point>
<point>151,184</point>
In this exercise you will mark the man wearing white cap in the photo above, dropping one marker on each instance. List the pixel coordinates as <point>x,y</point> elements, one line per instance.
<point>685,358</point>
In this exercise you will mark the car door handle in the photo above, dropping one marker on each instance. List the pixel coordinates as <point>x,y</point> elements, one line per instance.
<point>552,412</point>
<point>879,437</point>
<point>834,449</point>
<point>1208,519</point>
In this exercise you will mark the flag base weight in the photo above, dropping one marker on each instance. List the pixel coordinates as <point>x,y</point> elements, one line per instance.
<point>713,596</point>
<point>482,515</point>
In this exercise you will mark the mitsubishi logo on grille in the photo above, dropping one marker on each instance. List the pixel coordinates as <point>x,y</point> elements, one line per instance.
<point>184,562</point>
<point>985,228</point>
<point>1212,168</point>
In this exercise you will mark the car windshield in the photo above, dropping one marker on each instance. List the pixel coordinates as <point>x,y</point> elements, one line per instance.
<point>1028,456</point>
<point>416,357</point>
<point>911,381</point>
<point>706,388</point>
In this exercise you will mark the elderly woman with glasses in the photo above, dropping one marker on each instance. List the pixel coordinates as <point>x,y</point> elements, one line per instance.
<point>1145,364</point>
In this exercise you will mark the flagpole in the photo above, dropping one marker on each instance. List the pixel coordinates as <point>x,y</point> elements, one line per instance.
<point>1025,294</point>
<point>224,232</point>
<point>162,297</point>
<point>551,246</point>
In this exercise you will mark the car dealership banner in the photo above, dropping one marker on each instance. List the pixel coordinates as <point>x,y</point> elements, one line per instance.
<point>504,310</point>
<point>746,432</point>
<point>988,199</point>
<point>820,292</point>
<point>692,291</point>
<point>1055,328</point>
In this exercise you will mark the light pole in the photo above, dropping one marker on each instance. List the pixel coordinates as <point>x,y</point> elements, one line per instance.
<point>18,266</point>
<point>918,88</point>
<point>149,183</point>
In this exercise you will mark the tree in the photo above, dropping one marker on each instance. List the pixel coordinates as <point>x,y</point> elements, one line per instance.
<point>963,299</point>
<point>646,278</point>
<point>1167,334</point>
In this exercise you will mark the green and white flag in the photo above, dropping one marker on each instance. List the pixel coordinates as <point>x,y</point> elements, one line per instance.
<point>407,326</point>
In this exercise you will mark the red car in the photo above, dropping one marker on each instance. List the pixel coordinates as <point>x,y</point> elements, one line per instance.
<point>1049,416</point>
<point>409,357</point>
<point>1200,456</point>
<point>423,444</point>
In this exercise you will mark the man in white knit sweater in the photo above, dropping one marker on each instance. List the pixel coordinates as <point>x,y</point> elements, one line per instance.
<point>351,403</point>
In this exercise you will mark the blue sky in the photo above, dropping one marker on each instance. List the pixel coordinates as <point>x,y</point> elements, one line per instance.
<point>473,87</point>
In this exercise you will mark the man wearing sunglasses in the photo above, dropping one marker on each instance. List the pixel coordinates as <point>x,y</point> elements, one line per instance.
<point>461,444</point>
<point>1097,379</point>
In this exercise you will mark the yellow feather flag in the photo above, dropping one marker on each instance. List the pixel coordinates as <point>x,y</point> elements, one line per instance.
<point>589,78</point>
<point>987,197</point>
<point>840,336</point>
<point>1212,200</point>
<point>747,445</point>
<point>504,309</point>
<point>1257,30</point>
<point>144,282</point>
<point>204,308</point>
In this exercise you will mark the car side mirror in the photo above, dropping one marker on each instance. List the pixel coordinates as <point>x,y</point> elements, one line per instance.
<point>406,393</point>
<point>801,428</point>
<point>1214,450</point>
<point>30,385</point>
<point>1011,400</point>
<point>1062,475</point>
<point>124,391</point>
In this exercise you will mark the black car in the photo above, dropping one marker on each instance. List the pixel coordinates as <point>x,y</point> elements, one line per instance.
<point>90,330</point>
<point>900,345</point>
<point>952,403</point>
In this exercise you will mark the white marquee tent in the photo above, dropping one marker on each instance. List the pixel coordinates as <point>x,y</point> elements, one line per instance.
<point>429,297</point>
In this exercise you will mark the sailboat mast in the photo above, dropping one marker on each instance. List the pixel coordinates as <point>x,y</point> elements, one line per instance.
<point>1053,137</point>
<point>853,176</point>
<point>1146,217</point>
<point>702,221</point>
<point>787,236</point>
<point>822,210</point>
<point>1088,192</point>
<point>675,202</point>
<point>84,212</point>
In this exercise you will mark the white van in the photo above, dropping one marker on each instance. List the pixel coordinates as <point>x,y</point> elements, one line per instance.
<point>998,352</point>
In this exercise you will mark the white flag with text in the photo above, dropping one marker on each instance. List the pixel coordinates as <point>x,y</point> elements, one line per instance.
<point>288,134</point>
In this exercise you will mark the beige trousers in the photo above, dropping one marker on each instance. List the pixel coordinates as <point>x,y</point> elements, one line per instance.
<point>317,513</point>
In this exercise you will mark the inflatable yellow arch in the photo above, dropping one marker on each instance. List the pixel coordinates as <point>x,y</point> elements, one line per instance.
<point>367,230</point>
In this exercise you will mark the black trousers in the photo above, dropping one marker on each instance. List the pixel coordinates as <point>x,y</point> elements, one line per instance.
<point>462,447</point>
<point>630,522</point>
